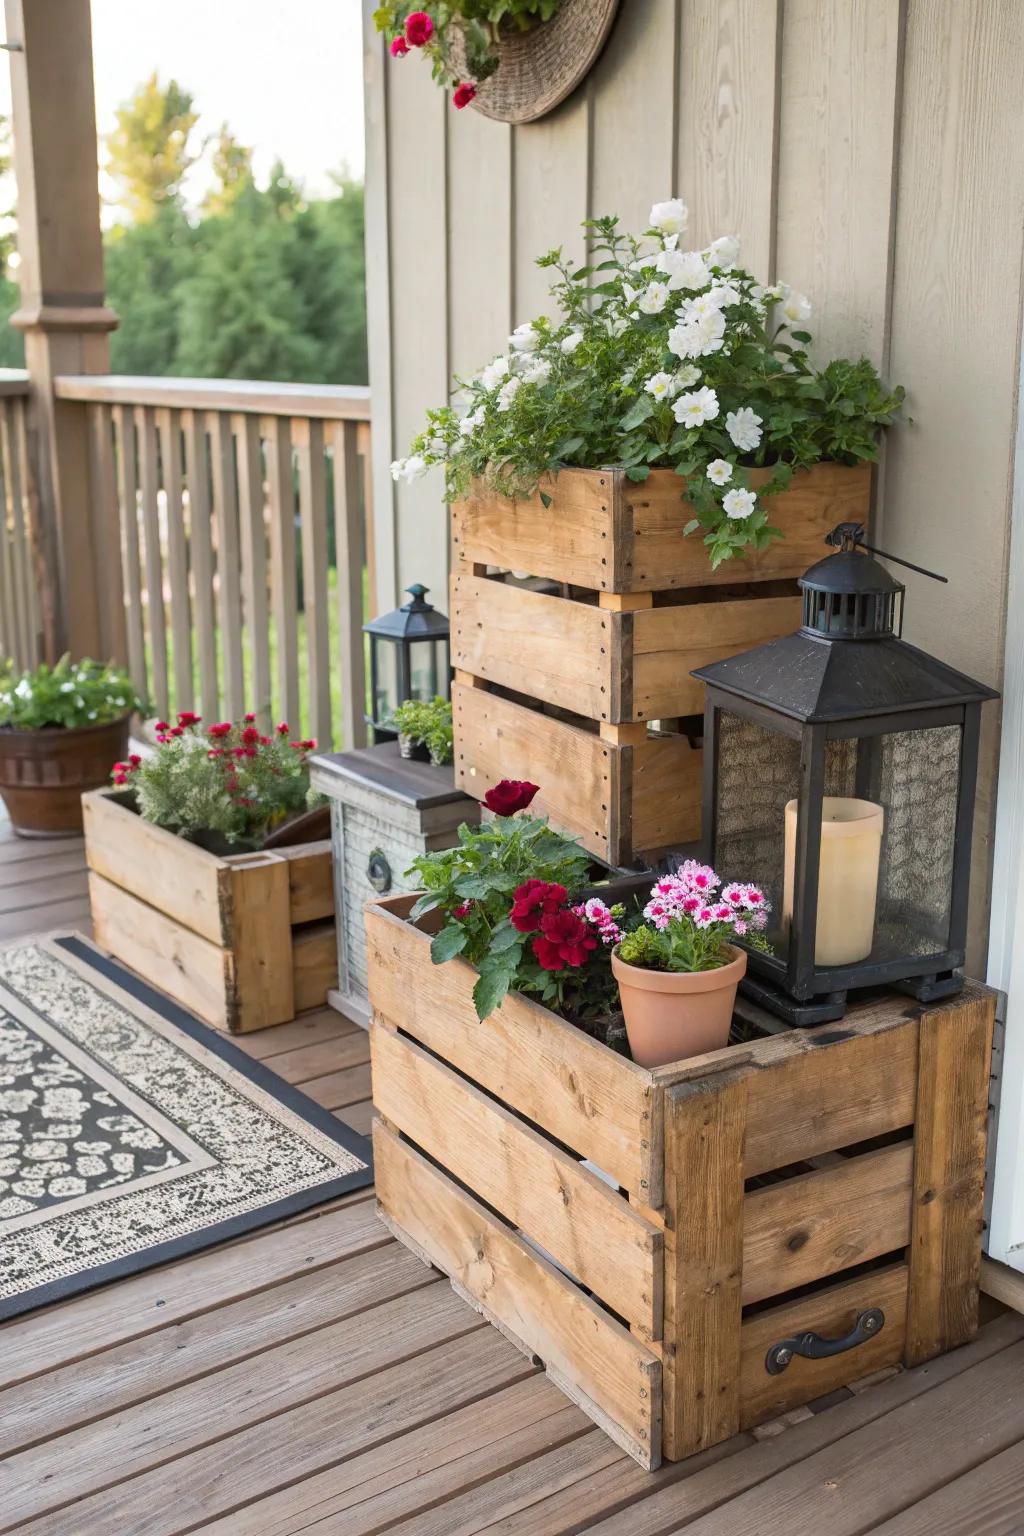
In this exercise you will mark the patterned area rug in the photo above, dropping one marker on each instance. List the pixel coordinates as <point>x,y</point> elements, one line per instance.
<point>131,1134</point>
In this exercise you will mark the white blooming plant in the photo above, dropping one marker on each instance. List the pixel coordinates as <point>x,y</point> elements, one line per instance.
<point>69,694</point>
<point>660,358</point>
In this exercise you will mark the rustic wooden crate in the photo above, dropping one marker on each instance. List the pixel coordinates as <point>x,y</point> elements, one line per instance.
<point>778,1186</point>
<point>593,667</point>
<point>243,942</point>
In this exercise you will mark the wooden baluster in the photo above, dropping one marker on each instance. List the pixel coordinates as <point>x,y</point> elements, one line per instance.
<point>308,436</point>
<point>349,524</point>
<point>229,583</point>
<point>124,424</point>
<point>20,558</point>
<point>253,528</point>
<point>281,495</point>
<point>168,425</point>
<point>145,426</point>
<point>197,474</point>
<point>44,628</point>
<point>107,528</point>
<point>8,590</point>
<point>364,445</point>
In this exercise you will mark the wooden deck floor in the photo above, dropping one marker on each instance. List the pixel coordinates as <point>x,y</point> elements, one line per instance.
<point>316,1378</point>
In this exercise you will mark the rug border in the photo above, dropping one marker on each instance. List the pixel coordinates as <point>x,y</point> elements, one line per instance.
<point>262,1076</point>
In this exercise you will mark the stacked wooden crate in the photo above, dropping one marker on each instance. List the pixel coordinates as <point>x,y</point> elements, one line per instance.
<point>587,691</point>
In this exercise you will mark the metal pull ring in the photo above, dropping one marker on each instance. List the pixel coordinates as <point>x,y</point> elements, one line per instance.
<point>378,871</point>
<point>813,1347</point>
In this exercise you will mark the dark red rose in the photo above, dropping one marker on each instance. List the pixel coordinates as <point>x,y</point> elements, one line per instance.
<point>419,28</point>
<point>399,47</point>
<point>463,94</point>
<point>509,796</point>
<point>534,900</point>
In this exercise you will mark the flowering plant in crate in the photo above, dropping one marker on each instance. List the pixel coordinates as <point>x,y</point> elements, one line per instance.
<point>452,32</point>
<point>691,920</point>
<point>660,357</point>
<point>229,784</point>
<point>510,896</point>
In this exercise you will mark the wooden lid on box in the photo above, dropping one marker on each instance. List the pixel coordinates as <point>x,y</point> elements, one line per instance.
<point>420,786</point>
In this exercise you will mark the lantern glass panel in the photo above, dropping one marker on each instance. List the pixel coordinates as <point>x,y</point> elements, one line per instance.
<point>429,666</point>
<point>384,678</point>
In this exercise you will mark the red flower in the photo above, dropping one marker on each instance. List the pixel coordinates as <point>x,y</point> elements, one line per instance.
<point>215,752</point>
<point>399,47</point>
<point>418,28</point>
<point>176,731</point>
<point>250,735</point>
<point>239,751</point>
<point>161,725</point>
<point>463,94</point>
<point>463,910</point>
<point>509,796</point>
<point>134,760</point>
<point>223,729</point>
<point>565,940</point>
<point>249,719</point>
<point>119,780</point>
<point>534,901</point>
<point>283,728</point>
<point>186,718</point>
<point>309,745</point>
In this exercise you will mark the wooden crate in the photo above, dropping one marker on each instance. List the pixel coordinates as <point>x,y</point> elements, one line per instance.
<point>780,1186</point>
<point>593,667</point>
<point>242,942</point>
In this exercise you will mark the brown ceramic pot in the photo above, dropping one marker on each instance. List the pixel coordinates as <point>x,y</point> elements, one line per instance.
<point>674,1014</point>
<point>44,773</point>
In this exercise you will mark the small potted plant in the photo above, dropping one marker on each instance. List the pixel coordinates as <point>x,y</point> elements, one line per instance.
<point>61,727</point>
<point>424,729</point>
<point>679,969</point>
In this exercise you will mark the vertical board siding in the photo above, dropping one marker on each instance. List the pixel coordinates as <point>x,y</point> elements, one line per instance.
<point>550,161</point>
<point>479,242</point>
<point>634,92</point>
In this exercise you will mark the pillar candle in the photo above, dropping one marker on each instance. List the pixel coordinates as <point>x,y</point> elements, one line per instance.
<point>851,845</point>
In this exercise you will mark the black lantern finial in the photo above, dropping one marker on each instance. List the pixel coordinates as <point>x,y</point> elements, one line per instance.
<point>408,658</point>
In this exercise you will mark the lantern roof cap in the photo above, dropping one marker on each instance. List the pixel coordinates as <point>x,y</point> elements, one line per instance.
<point>415,620</point>
<point>808,678</point>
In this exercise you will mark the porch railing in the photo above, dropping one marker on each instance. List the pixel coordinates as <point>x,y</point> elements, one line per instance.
<point>20,592</point>
<point>240,550</point>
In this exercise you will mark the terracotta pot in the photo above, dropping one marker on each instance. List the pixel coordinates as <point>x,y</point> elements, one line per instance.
<point>674,1014</point>
<point>43,774</point>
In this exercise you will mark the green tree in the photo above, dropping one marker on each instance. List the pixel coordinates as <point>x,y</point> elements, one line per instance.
<point>149,149</point>
<point>232,166</point>
<point>146,266</point>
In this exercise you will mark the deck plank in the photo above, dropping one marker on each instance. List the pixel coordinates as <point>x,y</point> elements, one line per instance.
<point>987,1501</point>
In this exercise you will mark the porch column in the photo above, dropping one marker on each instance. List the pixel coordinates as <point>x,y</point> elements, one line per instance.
<point>62,311</point>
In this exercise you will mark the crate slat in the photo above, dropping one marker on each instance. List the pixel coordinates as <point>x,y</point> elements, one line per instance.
<point>610,1370</point>
<point>576,1217</point>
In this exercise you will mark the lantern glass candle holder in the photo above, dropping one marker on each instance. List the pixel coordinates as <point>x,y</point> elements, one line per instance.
<point>840,772</point>
<point>409,659</point>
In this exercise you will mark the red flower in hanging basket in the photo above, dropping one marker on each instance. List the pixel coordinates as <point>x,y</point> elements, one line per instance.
<point>509,796</point>
<point>399,47</point>
<point>419,28</point>
<point>463,94</point>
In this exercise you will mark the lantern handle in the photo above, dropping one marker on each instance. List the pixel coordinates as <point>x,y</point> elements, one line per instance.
<point>850,536</point>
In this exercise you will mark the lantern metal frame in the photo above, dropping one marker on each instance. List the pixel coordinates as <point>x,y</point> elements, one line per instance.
<point>781,688</point>
<point>416,623</point>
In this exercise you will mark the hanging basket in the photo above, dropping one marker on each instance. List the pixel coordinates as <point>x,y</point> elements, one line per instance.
<point>540,67</point>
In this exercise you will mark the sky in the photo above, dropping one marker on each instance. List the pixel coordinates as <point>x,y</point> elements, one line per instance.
<point>286,78</point>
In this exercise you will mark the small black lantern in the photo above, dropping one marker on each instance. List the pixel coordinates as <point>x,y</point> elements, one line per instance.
<point>408,659</point>
<point>839,776</point>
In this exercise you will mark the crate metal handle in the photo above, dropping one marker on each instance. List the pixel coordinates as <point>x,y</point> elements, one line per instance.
<point>813,1347</point>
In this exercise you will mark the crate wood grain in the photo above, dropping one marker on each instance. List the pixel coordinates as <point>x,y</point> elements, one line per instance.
<point>777,1187</point>
<point>243,942</point>
<point>604,532</point>
<point>619,800</point>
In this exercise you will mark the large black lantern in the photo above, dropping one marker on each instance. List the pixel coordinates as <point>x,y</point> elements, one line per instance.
<point>840,771</point>
<point>408,659</point>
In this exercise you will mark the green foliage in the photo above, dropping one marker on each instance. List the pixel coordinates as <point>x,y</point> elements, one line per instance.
<point>465,30</point>
<point>229,785</point>
<point>679,947</point>
<point>149,149</point>
<point>429,722</point>
<point>68,694</point>
<point>232,166</point>
<point>660,358</point>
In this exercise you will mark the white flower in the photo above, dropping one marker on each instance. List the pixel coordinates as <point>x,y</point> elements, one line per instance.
<point>796,308</point>
<point>537,371</point>
<point>724,295</point>
<point>654,298</point>
<point>508,392</point>
<point>739,503</point>
<point>698,336</point>
<point>684,377</point>
<point>616,325</point>
<point>670,217</point>
<point>719,471</point>
<point>415,468</point>
<point>491,376</point>
<point>24,689</point>
<point>661,386</point>
<point>524,338</point>
<point>744,427</point>
<point>571,342</point>
<point>695,409</point>
<point>397,469</point>
<point>724,252</point>
<point>469,424</point>
<point>684,269</point>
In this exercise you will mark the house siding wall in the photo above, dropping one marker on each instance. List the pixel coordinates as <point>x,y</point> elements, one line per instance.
<point>870,152</point>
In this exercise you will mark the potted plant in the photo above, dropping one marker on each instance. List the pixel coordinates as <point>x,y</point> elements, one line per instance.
<point>678,970</point>
<point>61,727</point>
<point>668,363</point>
<point>424,729</point>
<point>461,38</point>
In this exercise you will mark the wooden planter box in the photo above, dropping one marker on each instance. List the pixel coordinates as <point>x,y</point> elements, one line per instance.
<point>594,666</point>
<point>242,942</point>
<point>784,1185</point>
